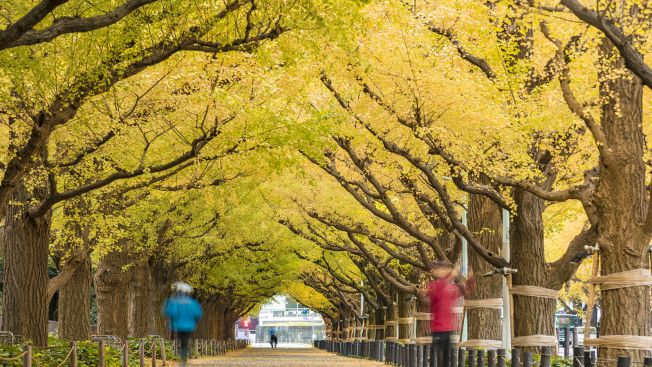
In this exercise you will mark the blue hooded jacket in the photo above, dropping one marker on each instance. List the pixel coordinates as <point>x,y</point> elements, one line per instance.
<point>183,312</point>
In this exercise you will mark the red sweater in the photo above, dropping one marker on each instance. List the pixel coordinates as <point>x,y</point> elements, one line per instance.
<point>443,294</point>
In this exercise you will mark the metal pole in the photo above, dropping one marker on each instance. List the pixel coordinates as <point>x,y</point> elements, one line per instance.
<point>465,271</point>
<point>507,322</point>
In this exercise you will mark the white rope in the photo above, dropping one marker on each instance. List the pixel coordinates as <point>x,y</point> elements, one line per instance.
<point>482,343</point>
<point>492,303</point>
<point>533,291</point>
<point>534,341</point>
<point>621,342</point>
<point>624,279</point>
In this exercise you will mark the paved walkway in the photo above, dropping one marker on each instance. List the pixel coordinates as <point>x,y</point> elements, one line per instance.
<point>282,357</point>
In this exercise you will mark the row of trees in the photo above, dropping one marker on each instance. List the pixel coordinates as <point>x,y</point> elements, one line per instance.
<point>124,128</point>
<point>322,149</point>
<point>427,119</point>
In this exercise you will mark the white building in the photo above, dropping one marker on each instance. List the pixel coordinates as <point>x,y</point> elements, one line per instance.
<point>291,321</point>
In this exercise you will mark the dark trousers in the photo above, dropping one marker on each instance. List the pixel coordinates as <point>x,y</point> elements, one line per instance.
<point>184,343</point>
<point>273,341</point>
<point>441,349</point>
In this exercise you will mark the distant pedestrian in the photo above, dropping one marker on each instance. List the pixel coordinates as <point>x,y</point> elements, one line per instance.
<point>444,292</point>
<point>183,311</point>
<point>273,340</point>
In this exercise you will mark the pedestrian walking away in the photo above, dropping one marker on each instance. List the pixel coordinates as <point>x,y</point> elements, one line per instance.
<point>444,292</point>
<point>183,312</point>
<point>273,340</point>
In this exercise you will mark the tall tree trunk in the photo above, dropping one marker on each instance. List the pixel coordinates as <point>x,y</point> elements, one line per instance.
<point>405,317</point>
<point>371,324</point>
<point>75,302</point>
<point>390,324</point>
<point>219,321</point>
<point>422,317</point>
<point>139,301</point>
<point>485,221</point>
<point>112,299</point>
<point>621,201</point>
<point>204,326</point>
<point>159,290</point>
<point>532,315</point>
<point>380,323</point>
<point>229,323</point>
<point>26,249</point>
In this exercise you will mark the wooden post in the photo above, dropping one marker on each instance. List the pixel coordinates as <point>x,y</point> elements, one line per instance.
<point>480,358</point>
<point>566,342</point>
<point>527,359</point>
<point>472,357</point>
<point>153,352</point>
<point>163,356</point>
<point>27,359</point>
<point>578,356</point>
<point>575,339</point>
<point>460,356</point>
<point>545,356</point>
<point>125,354</point>
<point>196,348</point>
<point>516,357</point>
<point>501,358</point>
<point>73,354</point>
<point>491,358</point>
<point>588,362</point>
<point>100,353</point>
<point>624,361</point>
<point>141,353</point>
<point>453,360</point>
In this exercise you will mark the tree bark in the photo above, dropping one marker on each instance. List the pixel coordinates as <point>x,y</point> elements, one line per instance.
<point>159,289</point>
<point>229,323</point>
<point>621,201</point>
<point>405,316</point>
<point>26,248</point>
<point>112,299</point>
<point>485,221</point>
<point>532,315</point>
<point>75,302</point>
<point>380,322</point>
<point>139,301</point>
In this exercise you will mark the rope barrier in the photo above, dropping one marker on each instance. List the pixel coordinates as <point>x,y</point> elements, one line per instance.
<point>492,303</point>
<point>534,341</point>
<point>482,343</point>
<point>67,356</point>
<point>15,358</point>
<point>533,291</point>
<point>621,342</point>
<point>624,279</point>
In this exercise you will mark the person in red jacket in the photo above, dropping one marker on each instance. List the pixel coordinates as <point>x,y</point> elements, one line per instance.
<point>444,292</point>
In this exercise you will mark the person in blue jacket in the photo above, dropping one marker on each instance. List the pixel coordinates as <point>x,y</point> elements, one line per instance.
<point>183,311</point>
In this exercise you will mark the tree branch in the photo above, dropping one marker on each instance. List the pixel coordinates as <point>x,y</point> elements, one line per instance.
<point>65,25</point>
<point>633,58</point>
